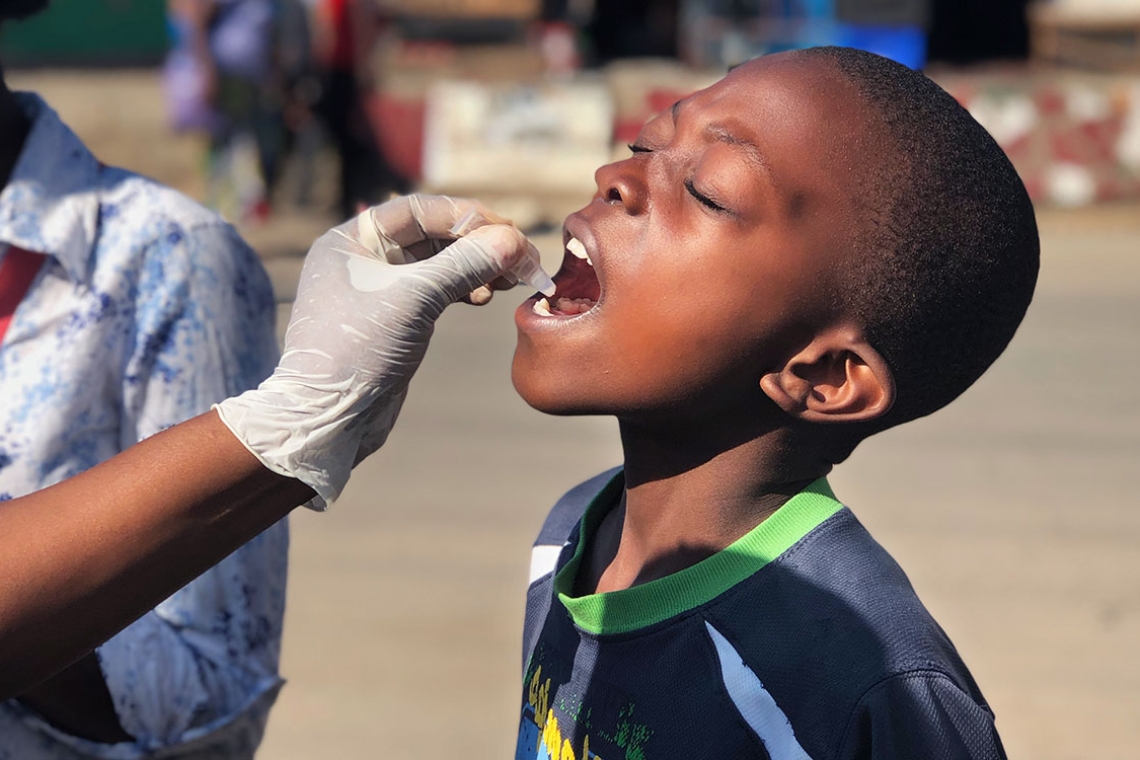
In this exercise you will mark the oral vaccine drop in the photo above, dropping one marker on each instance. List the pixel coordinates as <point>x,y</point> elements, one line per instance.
<point>529,271</point>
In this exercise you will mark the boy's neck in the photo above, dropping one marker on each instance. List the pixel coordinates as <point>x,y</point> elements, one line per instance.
<point>688,495</point>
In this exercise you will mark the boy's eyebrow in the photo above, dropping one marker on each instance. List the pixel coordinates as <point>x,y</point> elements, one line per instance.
<point>724,134</point>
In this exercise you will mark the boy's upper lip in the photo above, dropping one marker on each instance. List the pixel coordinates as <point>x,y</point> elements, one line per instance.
<point>577,227</point>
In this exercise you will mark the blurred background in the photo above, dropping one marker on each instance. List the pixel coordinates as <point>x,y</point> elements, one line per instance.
<point>1013,510</point>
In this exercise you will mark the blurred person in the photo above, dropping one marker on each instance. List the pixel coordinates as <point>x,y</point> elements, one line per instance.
<point>222,77</point>
<point>157,514</point>
<point>131,308</point>
<point>345,33</point>
<point>301,92</point>
<point>817,248</point>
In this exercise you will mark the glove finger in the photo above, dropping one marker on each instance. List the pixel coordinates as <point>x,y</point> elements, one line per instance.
<point>424,217</point>
<point>408,228</point>
<point>470,262</point>
<point>480,296</point>
<point>370,234</point>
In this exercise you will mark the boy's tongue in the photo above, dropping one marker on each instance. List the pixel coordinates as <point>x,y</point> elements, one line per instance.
<point>576,281</point>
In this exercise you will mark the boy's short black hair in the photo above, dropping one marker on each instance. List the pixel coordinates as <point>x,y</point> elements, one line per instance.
<point>14,10</point>
<point>945,266</point>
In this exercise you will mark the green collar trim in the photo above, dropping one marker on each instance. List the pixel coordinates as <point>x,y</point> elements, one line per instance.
<point>650,603</point>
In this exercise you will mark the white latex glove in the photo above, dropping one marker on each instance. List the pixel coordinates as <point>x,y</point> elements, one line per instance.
<point>370,292</point>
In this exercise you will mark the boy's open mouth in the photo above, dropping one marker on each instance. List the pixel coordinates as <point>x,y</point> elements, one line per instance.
<point>578,288</point>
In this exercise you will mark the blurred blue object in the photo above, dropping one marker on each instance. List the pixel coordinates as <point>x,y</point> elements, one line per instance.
<point>729,32</point>
<point>905,44</point>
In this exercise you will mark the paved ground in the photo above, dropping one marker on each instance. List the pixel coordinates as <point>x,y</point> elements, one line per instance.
<point>1013,511</point>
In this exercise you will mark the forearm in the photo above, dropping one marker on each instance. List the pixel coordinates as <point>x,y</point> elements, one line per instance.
<point>84,558</point>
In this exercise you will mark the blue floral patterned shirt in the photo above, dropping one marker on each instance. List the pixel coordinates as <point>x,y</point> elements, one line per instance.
<point>147,310</point>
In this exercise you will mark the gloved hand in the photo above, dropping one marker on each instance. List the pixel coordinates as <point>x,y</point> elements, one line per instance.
<point>370,292</point>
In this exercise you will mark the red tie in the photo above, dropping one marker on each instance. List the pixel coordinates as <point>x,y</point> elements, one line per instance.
<point>17,270</point>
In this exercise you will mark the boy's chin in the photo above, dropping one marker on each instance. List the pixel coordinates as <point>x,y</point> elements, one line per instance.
<point>548,402</point>
<point>551,395</point>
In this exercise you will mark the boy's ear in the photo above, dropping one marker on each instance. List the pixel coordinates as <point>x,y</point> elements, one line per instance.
<point>838,377</point>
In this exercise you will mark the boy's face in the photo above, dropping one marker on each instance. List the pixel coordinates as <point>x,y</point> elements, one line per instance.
<point>715,247</point>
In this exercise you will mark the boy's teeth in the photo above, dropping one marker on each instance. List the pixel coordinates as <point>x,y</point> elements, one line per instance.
<point>575,247</point>
<point>562,307</point>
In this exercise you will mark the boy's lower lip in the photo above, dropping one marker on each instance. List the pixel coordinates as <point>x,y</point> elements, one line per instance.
<point>528,320</point>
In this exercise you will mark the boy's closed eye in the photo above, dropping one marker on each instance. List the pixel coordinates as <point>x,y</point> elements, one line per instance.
<point>703,199</point>
<point>699,196</point>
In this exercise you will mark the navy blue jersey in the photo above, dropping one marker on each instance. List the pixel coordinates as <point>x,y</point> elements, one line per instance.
<point>803,639</point>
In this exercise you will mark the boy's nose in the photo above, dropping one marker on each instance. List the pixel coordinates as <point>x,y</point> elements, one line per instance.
<point>619,184</point>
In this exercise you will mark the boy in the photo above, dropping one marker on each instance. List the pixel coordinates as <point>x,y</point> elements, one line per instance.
<point>819,247</point>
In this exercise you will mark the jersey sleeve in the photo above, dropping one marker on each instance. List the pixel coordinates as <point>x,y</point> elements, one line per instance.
<point>923,714</point>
